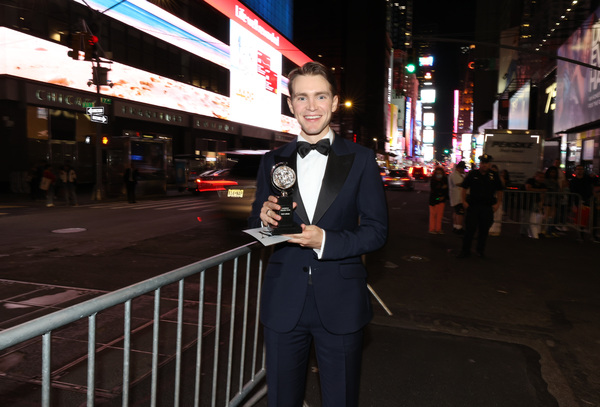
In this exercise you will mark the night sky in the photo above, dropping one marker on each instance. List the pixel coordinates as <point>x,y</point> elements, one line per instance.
<point>317,23</point>
<point>452,20</point>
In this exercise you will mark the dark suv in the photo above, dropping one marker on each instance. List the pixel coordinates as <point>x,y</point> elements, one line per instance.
<point>419,173</point>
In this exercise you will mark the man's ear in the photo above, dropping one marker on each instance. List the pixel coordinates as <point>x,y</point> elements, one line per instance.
<point>335,105</point>
<point>289,100</point>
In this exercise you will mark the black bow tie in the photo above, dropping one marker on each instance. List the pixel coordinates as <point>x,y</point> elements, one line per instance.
<point>322,146</point>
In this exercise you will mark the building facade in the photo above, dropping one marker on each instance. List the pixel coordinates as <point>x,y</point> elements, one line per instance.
<point>165,85</point>
<point>542,76</point>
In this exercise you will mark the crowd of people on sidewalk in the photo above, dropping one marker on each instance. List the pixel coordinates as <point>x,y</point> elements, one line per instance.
<point>476,201</point>
<point>50,184</point>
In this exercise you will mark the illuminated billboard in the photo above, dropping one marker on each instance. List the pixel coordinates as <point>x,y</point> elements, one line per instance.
<point>254,55</point>
<point>426,61</point>
<point>239,13</point>
<point>518,111</point>
<point>429,119</point>
<point>428,96</point>
<point>428,152</point>
<point>158,23</point>
<point>428,136</point>
<point>578,87</point>
<point>155,21</point>
<point>29,57</point>
<point>255,80</point>
<point>408,126</point>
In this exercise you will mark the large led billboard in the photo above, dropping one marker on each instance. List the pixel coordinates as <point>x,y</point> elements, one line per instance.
<point>254,55</point>
<point>429,119</point>
<point>428,95</point>
<point>255,80</point>
<point>518,111</point>
<point>578,87</point>
<point>29,57</point>
<point>155,21</point>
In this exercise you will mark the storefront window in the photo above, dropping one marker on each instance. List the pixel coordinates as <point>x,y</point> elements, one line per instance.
<point>149,158</point>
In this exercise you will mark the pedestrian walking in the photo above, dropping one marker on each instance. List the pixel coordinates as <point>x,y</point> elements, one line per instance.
<point>484,197</point>
<point>315,288</point>
<point>47,183</point>
<point>438,195</point>
<point>68,178</point>
<point>130,177</point>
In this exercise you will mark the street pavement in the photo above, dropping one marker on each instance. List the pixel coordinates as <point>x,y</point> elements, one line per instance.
<point>519,327</point>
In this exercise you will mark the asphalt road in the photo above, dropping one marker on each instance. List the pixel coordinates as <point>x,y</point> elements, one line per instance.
<point>517,328</point>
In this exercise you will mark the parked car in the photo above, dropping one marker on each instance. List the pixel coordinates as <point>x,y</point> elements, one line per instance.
<point>398,179</point>
<point>213,180</point>
<point>235,201</point>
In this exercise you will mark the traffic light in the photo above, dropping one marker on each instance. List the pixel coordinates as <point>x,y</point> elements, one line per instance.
<point>91,46</point>
<point>76,45</point>
<point>411,67</point>
<point>104,140</point>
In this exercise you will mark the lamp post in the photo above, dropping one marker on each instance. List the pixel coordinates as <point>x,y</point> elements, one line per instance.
<point>376,144</point>
<point>344,118</point>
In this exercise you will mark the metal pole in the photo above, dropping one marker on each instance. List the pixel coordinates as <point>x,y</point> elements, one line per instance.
<point>98,189</point>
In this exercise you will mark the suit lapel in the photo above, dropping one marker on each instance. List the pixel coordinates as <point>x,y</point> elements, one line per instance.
<point>338,167</point>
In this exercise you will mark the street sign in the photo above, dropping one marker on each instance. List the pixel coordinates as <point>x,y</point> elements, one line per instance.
<point>99,118</point>
<point>99,110</point>
<point>87,104</point>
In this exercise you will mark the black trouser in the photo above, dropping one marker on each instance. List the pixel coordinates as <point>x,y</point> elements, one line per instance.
<point>478,217</point>
<point>130,191</point>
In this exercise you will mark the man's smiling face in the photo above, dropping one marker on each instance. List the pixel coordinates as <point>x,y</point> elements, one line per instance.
<point>313,105</point>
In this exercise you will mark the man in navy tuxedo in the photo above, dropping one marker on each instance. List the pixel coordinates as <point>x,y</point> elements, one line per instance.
<point>315,285</point>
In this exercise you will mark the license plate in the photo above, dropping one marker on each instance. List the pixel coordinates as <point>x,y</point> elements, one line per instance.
<point>235,193</point>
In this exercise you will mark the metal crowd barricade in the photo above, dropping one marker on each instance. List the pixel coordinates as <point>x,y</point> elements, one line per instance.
<point>217,356</point>
<point>544,212</point>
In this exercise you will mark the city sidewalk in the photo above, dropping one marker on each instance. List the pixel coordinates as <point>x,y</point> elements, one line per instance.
<point>85,196</point>
<point>517,328</point>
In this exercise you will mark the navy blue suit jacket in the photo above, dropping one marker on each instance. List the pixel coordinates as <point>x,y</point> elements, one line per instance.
<point>352,210</point>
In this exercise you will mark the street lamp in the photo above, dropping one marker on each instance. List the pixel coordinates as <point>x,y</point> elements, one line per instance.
<point>376,143</point>
<point>345,117</point>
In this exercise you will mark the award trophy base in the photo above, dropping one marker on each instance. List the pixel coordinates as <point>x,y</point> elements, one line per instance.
<point>286,225</point>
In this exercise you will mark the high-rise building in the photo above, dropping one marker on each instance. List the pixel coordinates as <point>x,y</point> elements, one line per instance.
<point>400,20</point>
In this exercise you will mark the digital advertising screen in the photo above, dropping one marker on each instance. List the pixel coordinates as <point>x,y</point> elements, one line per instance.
<point>255,80</point>
<point>29,57</point>
<point>518,110</point>
<point>155,21</point>
<point>428,96</point>
<point>578,87</point>
<point>263,56</point>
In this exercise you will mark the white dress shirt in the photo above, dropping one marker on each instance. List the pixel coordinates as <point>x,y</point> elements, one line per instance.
<point>311,170</point>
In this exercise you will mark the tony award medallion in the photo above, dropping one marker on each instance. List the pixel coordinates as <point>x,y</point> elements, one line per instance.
<point>284,178</point>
